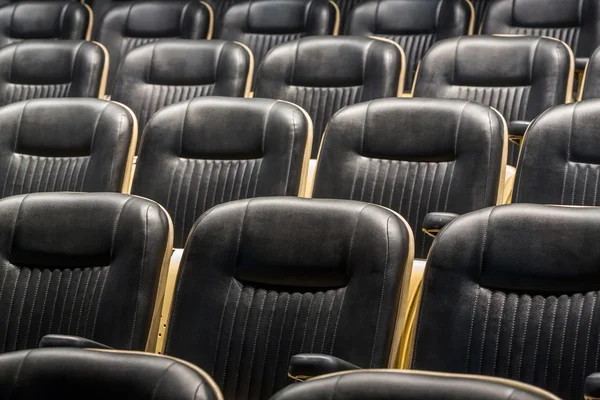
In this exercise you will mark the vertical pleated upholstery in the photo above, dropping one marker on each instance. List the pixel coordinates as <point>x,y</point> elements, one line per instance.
<point>480,7</point>
<point>414,156</point>
<point>498,277</point>
<point>254,296</point>
<point>79,264</point>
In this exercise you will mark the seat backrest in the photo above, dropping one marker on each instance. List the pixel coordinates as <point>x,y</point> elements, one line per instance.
<point>518,285</point>
<point>170,71</point>
<point>559,161</point>
<point>346,7</point>
<point>325,74</point>
<point>264,24</point>
<point>480,7</point>
<point>76,145</point>
<point>575,22</point>
<point>127,26</point>
<point>90,265</point>
<point>83,373</point>
<point>51,69</point>
<point>44,20</point>
<point>591,79</point>
<point>409,385</point>
<point>100,7</point>
<point>203,152</point>
<point>415,156</point>
<point>414,24</point>
<point>264,279</point>
<point>219,8</point>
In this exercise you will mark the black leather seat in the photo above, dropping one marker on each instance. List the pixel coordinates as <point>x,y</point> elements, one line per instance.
<point>559,162</point>
<point>203,152</point>
<point>88,265</point>
<point>519,76</point>
<point>517,284</point>
<point>100,7</point>
<point>346,7</point>
<point>325,74</point>
<point>264,279</point>
<point>575,22</point>
<point>264,24</point>
<point>591,80</point>
<point>51,69</point>
<point>415,156</point>
<point>127,26</point>
<point>77,145</point>
<point>219,8</point>
<point>170,71</point>
<point>410,385</point>
<point>480,7</point>
<point>44,20</point>
<point>47,374</point>
<point>415,25</point>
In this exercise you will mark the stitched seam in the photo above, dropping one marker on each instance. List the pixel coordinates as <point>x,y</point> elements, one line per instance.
<point>587,342</point>
<point>485,322</point>
<point>262,307</point>
<point>512,335</point>
<point>21,310</point>
<point>575,344</point>
<point>279,342</point>
<point>221,327</point>
<point>562,345</point>
<point>337,322</point>
<point>537,341</point>
<point>137,300</point>
<point>289,169</point>
<point>237,371</point>
<point>161,379</point>
<point>524,337</point>
<point>498,334</point>
<point>550,343</point>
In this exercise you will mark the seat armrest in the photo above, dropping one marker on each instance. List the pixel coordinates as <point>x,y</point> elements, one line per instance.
<point>591,389</point>
<point>581,63</point>
<point>71,341</point>
<point>435,221</point>
<point>516,131</point>
<point>306,366</point>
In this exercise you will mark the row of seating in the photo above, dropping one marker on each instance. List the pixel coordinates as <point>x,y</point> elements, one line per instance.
<point>271,286</point>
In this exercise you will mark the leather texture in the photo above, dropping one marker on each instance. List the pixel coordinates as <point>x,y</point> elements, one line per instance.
<point>307,365</point>
<point>346,7</point>
<point>54,145</point>
<point>264,279</point>
<point>414,156</point>
<point>434,222</point>
<point>100,7</point>
<point>169,71</point>
<point>558,162</point>
<point>480,7</point>
<point>219,8</point>
<point>518,285</point>
<point>79,264</point>
<point>264,24</point>
<point>592,386</point>
<point>521,77</point>
<point>324,74</point>
<point>203,152</point>
<point>414,24</point>
<point>46,374</point>
<point>575,22</point>
<point>71,341</point>
<point>43,69</point>
<point>125,27</point>
<point>591,86</point>
<point>43,20</point>
<point>399,385</point>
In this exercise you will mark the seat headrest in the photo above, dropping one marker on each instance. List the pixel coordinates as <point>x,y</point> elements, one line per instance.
<point>395,17</point>
<point>288,242</point>
<point>222,128</point>
<point>523,248</point>
<point>526,13</point>
<point>329,61</point>
<point>68,372</point>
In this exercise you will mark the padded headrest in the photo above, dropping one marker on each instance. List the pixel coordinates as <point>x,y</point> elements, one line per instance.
<point>44,20</point>
<point>39,62</point>
<point>40,128</point>
<point>78,373</point>
<point>526,13</point>
<point>298,243</point>
<point>524,248</point>
<point>329,61</point>
<point>67,230</point>
<point>399,17</point>
<point>222,128</point>
<point>412,129</point>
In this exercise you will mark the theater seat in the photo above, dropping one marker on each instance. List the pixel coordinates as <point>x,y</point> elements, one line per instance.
<point>77,145</point>
<point>170,71</point>
<point>44,20</point>
<point>325,74</point>
<point>203,152</point>
<point>46,374</point>
<point>44,69</point>
<point>520,76</point>
<point>518,285</point>
<point>127,26</point>
<point>559,162</point>
<point>262,280</point>
<point>346,7</point>
<point>575,22</point>
<point>100,7</point>
<point>415,156</point>
<point>414,24</point>
<point>89,265</point>
<point>410,385</point>
<point>264,24</point>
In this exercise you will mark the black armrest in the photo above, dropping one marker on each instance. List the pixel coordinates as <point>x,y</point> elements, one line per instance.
<point>305,366</point>
<point>71,341</point>
<point>581,63</point>
<point>591,389</point>
<point>516,131</point>
<point>435,221</point>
